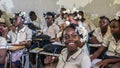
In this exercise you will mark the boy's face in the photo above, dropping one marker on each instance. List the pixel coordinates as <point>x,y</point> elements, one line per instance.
<point>71,39</point>
<point>115,27</point>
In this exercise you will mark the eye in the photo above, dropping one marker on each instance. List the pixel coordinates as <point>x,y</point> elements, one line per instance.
<point>66,36</point>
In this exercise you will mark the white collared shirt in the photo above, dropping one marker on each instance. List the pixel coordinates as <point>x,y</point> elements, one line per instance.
<point>113,46</point>
<point>77,60</point>
<point>3,42</point>
<point>22,35</point>
<point>51,30</point>
<point>97,33</point>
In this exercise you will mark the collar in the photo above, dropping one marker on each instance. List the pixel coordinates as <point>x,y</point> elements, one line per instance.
<point>21,30</point>
<point>74,56</point>
<point>113,39</point>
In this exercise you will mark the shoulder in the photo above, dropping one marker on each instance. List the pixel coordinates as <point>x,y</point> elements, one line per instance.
<point>64,50</point>
<point>26,27</point>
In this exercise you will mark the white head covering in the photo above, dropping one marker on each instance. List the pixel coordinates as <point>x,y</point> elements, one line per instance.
<point>82,31</point>
<point>2,20</point>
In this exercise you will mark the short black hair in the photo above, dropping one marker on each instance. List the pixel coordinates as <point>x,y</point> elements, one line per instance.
<point>81,12</point>
<point>116,20</point>
<point>19,14</point>
<point>62,9</point>
<point>32,13</point>
<point>50,14</point>
<point>73,26</point>
<point>104,17</point>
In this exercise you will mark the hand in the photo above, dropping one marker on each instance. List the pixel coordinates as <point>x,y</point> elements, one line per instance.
<point>23,43</point>
<point>94,56</point>
<point>49,60</point>
<point>93,40</point>
<point>103,63</point>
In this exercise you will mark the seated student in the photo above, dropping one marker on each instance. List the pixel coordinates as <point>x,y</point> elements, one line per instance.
<point>89,26</point>
<point>112,55</point>
<point>3,43</point>
<point>74,18</point>
<point>35,20</point>
<point>20,35</point>
<point>73,56</point>
<point>60,17</point>
<point>51,29</point>
<point>100,33</point>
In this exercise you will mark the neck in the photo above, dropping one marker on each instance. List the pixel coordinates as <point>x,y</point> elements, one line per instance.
<point>20,27</point>
<point>117,37</point>
<point>49,24</point>
<point>103,31</point>
<point>71,52</point>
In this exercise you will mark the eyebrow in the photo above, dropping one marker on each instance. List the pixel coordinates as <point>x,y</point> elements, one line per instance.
<point>72,33</point>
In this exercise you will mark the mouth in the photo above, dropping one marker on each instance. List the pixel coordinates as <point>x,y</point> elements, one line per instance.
<point>71,44</point>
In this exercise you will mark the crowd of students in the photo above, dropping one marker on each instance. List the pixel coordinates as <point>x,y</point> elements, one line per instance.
<point>70,28</point>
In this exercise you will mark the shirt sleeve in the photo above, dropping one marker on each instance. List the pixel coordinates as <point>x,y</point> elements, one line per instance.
<point>106,41</point>
<point>3,42</point>
<point>56,29</point>
<point>29,34</point>
<point>86,63</point>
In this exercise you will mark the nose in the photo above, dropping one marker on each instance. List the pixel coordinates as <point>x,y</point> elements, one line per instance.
<point>70,38</point>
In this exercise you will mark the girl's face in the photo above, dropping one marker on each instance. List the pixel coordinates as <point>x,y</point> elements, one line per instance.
<point>103,23</point>
<point>71,39</point>
<point>115,27</point>
<point>17,20</point>
<point>49,20</point>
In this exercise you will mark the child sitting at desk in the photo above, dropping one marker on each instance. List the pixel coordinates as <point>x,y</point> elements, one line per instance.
<point>112,44</point>
<point>21,36</point>
<point>3,44</point>
<point>73,56</point>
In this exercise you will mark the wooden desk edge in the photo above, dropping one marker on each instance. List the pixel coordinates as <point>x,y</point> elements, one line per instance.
<point>46,53</point>
<point>14,48</point>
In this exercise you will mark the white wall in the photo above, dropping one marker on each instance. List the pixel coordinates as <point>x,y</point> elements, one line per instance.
<point>39,6</point>
<point>100,7</point>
